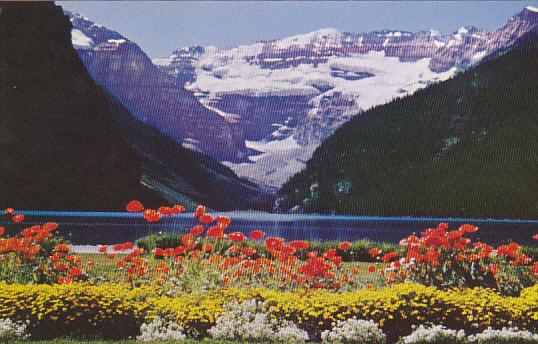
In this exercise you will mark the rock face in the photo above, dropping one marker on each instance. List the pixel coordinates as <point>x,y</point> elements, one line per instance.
<point>153,96</point>
<point>59,148</point>
<point>270,104</point>
<point>463,148</point>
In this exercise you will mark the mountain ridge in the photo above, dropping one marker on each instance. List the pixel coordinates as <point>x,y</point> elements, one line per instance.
<point>465,147</point>
<point>272,103</point>
<point>327,77</point>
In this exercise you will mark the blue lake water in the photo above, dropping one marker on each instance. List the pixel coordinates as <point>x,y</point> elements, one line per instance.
<point>91,228</point>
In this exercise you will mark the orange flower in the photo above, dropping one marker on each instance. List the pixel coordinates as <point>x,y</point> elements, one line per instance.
<point>50,226</point>
<point>237,237</point>
<point>248,251</point>
<point>257,234</point>
<point>468,228</point>
<point>371,269</point>
<point>215,232</point>
<point>135,207</point>
<point>494,269</point>
<point>151,215</point>
<point>299,245</point>
<point>54,257</point>
<point>75,271</point>
<point>62,248</point>
<point>199,211</point>
<point>2,231</point>
<point>65,280</point>
<point>197,230</point>
<point>344,246</point>
<point>206,219</point>
<point>337,260</point>
<point>389,256</point>
<point>374,252</point>
<point>123,246</point>
<point>166,211</point>
<point>60,267</point>
<point>274,243</point>
<point>207,247</point>
<point>223,221</point>
<point>178,209</point>
<point>287,250</point>
<point>9,211</point>
<point>18,218</point>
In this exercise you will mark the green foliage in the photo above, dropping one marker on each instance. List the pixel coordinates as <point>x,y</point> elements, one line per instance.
<point>465,147</point>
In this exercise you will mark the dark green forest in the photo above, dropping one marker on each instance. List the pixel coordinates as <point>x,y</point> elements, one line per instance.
<point>464,147</point>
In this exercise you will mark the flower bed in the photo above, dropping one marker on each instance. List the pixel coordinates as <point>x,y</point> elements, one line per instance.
<point>112,311</point>
<point>210,281</point>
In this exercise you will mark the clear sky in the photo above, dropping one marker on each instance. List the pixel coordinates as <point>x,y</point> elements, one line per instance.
<point>161,27</point>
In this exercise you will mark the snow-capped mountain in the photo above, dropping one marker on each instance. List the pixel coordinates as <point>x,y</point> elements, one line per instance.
<point>263,108</point>
<point>288,95</point>
<point>154,97</point>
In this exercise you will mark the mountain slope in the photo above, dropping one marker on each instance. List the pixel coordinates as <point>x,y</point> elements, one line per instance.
<point>465,147</point>
<point>157,99</point>
<point>185,176</point>
<point>59,148</point>
<point>288,95</point>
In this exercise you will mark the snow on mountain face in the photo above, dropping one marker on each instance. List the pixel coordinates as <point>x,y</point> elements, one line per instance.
<point>263,108</point>
<point>154,97</point>
<point>288,95</point>
<point>80,40</point>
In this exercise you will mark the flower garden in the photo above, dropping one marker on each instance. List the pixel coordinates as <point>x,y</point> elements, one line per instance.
<point>214,283</point>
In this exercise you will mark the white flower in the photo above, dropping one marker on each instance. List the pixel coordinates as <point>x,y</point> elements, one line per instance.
<point>437,334</point>
<point>504,336</point>
<point>354,331</point>
<point>248,321</point>
<point>159,330</point>
<point>10,330</point>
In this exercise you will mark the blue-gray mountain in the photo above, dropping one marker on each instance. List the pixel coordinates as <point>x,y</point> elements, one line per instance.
<point>262,109</point>
<point>465,147</point>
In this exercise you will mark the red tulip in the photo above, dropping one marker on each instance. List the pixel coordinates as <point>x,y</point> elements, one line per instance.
<point>207,247</point>
<point>206,219</point>
<point>199,211</point>
<point>2,231</point>
<point>257,234</point>
<point>237,237</point>
<point>166,211</point>
<point>151,215</point>
<point>134,207</point>
<point>215,232</point>
<point>64,280</point>
<point>62,248</point>
<point>197,230</point>
<point>178,209</point>
<point>75,271</point>
<point>344,246</point>
<point>299,245</point>
<point>18,218</point>
<point>468,228</point>
<point>10,211</point>
<point>50,226</point>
